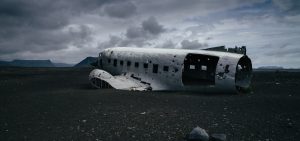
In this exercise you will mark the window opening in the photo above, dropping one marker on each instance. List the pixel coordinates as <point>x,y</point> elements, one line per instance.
<point>145,65</point>
<point>166,68</point>
<point>115,62</point>
<point>155,68</point>
<point>128,63</point>
<point>136,64</point>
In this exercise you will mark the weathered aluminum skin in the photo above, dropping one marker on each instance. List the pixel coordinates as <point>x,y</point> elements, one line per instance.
<point>171,80</point>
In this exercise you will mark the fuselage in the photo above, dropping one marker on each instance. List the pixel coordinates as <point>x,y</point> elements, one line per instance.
<point>179,69</point>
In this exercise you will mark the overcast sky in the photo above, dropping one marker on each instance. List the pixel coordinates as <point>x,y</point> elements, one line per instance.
<point>70,30</point>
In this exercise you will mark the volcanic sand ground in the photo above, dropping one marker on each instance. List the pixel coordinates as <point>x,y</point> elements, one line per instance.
<point>59,104</point>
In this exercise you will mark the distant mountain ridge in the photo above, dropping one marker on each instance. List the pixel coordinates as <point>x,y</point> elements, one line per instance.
<point>86,62</point>
<point>63,65</point>
<point>4,64</point>
<point>46,63</point>
<point>32,63</point>
<point>271,67</point>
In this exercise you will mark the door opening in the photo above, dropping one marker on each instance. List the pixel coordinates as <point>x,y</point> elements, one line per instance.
<point>199,69</point>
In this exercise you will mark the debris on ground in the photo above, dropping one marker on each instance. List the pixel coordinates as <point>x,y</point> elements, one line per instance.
<point>217,137</point>
<point>199,134</point>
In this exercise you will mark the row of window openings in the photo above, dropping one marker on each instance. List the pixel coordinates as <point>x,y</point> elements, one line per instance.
<point>136,64</point>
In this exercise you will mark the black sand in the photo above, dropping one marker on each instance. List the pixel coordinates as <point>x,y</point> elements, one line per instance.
<point>59,104</point>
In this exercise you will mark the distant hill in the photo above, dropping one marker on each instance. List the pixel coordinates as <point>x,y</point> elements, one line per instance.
<point>4,63</point>
<point>276,69</point>
<point>271,67</point>
<point>31,63</point>
<point>62,65</point>
<point>86,62</point>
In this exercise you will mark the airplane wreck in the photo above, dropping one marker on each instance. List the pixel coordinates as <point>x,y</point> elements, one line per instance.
<point>144,69</point>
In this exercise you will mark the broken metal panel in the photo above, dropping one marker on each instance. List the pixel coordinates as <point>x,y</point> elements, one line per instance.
<point>238,50</point>
<point>121,82</point>
<point>225,73</point>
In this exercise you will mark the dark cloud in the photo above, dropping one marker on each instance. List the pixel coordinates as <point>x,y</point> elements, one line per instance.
<point>201,28</point>
<point>195,44</point>
<point>113,41</point>
<point>190,8</point>
<point>40,14</point>
<point>136,35</point>
<point>45,40</point>
<point>135,32</point>
<point>289,6</point>
<point>37,25</point>
<point>80,35</point>
<point>152,26</point>
<point>119,41</point>
<point>209,38</point>
<point>149,29</point>
<point>122,9</point>
<point>167,44</point>
<point>282,50</point>
<point>45,13</point>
